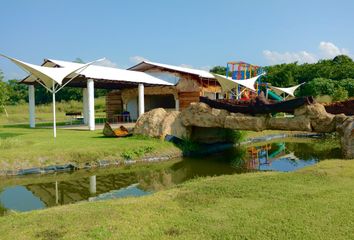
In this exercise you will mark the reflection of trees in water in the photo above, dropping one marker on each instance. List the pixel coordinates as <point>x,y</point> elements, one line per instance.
<point>238,159</point>
<point>3,210</point>
<point>323,149</point>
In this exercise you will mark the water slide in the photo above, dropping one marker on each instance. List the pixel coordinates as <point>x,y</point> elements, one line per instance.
<point>274,96</point>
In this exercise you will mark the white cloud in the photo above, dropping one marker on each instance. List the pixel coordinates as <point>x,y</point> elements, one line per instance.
<point>106,63</point>
<point>275,57</point>
<point>329,50</point>
<point>138,59</point>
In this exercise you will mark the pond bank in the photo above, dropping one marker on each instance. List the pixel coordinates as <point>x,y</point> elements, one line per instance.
<point>235,206</point>
<point>127,158</point>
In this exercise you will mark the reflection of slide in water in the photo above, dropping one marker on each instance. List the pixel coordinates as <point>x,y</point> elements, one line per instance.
<point>264,155</point>
<point>280,147</point>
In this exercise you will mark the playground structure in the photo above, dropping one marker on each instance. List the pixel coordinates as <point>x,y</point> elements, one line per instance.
<point>240,71</point>
<point>247,79</point>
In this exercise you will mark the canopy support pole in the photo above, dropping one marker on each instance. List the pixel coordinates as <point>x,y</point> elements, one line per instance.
<point>91,104</point>
<point>141,104</point>
<point>31,103</point>
<point>54,113</point>
<point>85,105</point>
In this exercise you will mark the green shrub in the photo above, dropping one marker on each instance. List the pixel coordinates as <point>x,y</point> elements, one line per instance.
<point>187,145</point>
<point>137,153</point>
<point>235,136</point>
<point>340,94</point>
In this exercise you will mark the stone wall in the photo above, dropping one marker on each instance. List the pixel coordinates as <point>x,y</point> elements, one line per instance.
<point>311,118</point>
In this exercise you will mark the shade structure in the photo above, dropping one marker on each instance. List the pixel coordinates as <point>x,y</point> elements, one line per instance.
<point>289,90</point>
<point>103,73</point>
<point>51,78</point>
<point>227,83</point>
<point>49,74</point>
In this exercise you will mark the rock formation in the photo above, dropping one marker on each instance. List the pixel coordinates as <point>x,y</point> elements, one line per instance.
<point>159,123</point>
<point>311,118</point>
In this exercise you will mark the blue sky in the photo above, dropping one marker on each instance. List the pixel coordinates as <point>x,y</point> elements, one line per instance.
<point>200,34</point>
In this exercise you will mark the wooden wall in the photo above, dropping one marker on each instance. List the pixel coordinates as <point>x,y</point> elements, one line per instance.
<point>186,98</point>
<point>114,104</point>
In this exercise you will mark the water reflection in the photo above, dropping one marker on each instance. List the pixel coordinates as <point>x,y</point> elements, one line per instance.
<point>141,180</point>
<point>275,157</point>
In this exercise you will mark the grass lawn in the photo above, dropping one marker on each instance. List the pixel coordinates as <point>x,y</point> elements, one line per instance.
<point>23,147</point>
<point>313,203</point>
<point>20,114</point>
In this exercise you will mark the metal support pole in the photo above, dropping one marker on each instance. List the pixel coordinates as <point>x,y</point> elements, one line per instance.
<point>54,113</point>
<point>31,103</point>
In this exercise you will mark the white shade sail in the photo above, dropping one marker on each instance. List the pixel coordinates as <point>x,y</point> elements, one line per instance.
<point>48,74</point>
<point>50,77</point>
<point>288,90</point>
<point>228,83</point>
<point>100,73</point>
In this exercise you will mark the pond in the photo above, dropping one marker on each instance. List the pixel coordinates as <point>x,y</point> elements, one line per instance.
<point>41,191</point>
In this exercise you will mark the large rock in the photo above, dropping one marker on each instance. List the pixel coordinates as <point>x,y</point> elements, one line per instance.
<point>321,121</point>
<point>245,122</point>
<point>159,123</point>
<point>172,125</point>
<point>201,115</point>
<point>150,123</point>
<point>346,131</point>
<point>297,123</point>
<point>311,110</point>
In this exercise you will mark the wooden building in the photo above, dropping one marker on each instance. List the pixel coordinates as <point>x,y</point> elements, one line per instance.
<point>188,85</point>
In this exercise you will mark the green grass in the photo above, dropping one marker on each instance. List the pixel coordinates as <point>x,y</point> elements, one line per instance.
<point>313,203</point>
<point>20,113</point>
<point>24,147</point>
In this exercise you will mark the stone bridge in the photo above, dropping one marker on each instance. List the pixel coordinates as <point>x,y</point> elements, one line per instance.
<point>193,121</point>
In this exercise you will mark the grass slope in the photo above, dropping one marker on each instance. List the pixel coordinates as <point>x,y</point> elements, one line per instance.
<point>313,203</point>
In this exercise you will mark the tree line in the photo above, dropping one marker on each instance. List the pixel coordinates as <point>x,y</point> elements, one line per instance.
<point>12,93</point>
<point>334,77</point>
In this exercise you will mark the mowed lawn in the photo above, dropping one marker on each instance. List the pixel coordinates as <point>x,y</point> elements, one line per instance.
<point>22,147</point>
<point>313,203</point>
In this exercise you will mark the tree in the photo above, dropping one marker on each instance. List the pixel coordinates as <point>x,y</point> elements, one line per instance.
<point>348,84</point>
<point>339,94</point>
<point>218,70</point>
<point>318,87</point>
<point>17,93</point>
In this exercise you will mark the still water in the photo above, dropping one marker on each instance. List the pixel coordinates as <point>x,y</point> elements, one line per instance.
<point>42,191</point>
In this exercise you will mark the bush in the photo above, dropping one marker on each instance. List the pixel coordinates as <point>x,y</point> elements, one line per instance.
<point>340,94</point>
<point>348,84</point>
<point>235,136</point>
